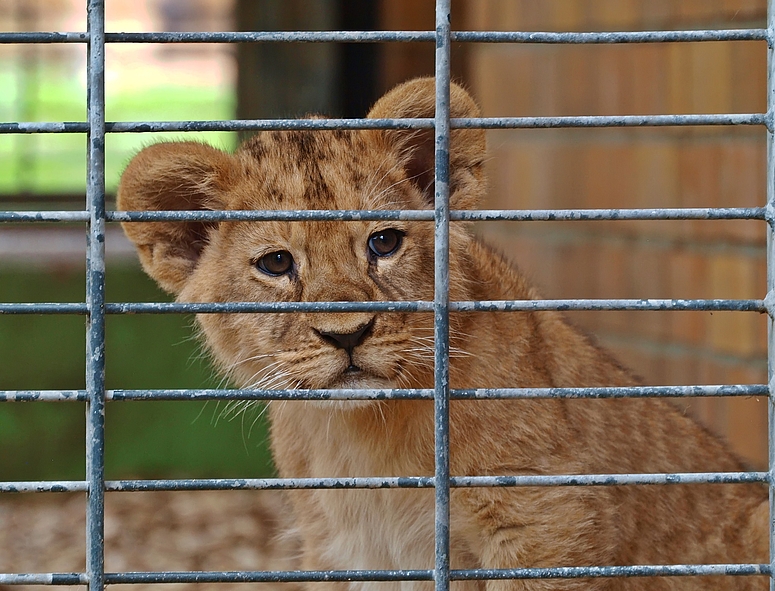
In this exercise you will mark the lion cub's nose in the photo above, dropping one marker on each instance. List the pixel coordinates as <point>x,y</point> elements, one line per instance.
<point>347,340</point>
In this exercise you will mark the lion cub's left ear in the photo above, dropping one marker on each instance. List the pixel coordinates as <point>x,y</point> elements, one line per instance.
<point>170,176</point>
<point>417,99</point>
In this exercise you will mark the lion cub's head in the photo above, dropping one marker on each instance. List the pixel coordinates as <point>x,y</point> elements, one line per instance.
<point>309,261</point>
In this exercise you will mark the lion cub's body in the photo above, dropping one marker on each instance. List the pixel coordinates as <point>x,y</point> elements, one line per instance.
<point>335,261</point>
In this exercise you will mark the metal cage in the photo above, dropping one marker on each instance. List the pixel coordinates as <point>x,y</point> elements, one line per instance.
<point>95,308</point>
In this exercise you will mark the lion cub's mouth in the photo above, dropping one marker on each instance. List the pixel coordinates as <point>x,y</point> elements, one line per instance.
<point>355,377</point>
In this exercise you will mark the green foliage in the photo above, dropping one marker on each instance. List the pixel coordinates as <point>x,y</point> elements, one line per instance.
<point>143,439</point>
<point>56,163</point>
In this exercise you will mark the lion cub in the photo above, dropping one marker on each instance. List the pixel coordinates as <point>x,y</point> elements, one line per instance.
<point>393,260</point>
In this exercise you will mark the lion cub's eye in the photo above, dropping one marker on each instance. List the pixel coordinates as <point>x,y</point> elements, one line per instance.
<point>385,242</point>
<point>275,263</point>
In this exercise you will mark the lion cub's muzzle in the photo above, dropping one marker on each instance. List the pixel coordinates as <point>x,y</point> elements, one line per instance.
<point>347,340</point>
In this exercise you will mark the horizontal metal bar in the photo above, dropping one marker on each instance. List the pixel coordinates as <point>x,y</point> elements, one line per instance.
<point>569,215</point>
<point>413,306</point>
<point>216,308</point>
<point>43,308</point>
<point>369,482</point>
<point>519,215</point>
<point>255,215</point>
<point>225,37</point>
<point>456,36</point>
<point>428,481</point>
<point>611,121</point>
<point>610,37</point>
<point>267,576</point>
<point>455,394</point>
<point>268,395</point>
<point>609,392</point>
<point>697,213</point>
<point>372,482</point>
<point>218,484</point>
<point>463,123</point>
<point>273,37</point>
<point>396,36</point>
<point>392,394</point>
<point>44,216</point>
<point>44,579</point>
<point>44,127</point>
<point>422,575</point>
<point>43,396</point>
<point>419,306</point>
<point>41,486</point>
<point>594,572</point>
<point>651,305</point>
<point>263,307</point>
<point>581,572</point>
<point>612,304</point>
<point>612,479</point>
<point>43,37</point>
<point>218,125</point>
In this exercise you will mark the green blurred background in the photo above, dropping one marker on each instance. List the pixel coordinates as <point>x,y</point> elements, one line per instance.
<point>48,171</point>
<point>144,439</point>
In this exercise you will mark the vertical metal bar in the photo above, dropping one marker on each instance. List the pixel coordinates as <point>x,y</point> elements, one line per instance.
<point>770,209</point>
<point>95,298</point>
<point>441,297</point>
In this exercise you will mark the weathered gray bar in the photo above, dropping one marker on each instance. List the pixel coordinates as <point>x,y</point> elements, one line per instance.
<point>580,572</point>
<point>395,394</point>
<point>545,480</point>
<point>95,298</point>
<point>329,124</point>
<point>564,38</point>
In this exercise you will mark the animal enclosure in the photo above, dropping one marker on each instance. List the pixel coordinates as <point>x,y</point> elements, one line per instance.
<point>97,217</point>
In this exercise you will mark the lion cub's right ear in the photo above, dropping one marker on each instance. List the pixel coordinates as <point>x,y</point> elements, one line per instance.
<point>173,176</point>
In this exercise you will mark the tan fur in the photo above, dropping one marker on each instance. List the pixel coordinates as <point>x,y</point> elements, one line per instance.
<point>386,529</point>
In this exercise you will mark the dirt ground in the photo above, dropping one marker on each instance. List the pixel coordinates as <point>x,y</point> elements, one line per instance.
<point>151,531</point>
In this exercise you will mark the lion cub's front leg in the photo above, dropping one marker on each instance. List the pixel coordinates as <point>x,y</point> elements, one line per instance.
<point>521,528</point>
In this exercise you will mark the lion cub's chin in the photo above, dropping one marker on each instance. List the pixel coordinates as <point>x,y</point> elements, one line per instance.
<point>354,381</point>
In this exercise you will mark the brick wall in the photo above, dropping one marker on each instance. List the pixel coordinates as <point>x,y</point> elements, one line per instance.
<point>670,167</point>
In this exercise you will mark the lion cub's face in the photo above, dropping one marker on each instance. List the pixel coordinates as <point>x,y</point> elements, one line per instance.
<point>306,261</point>
<point>318,261</point>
